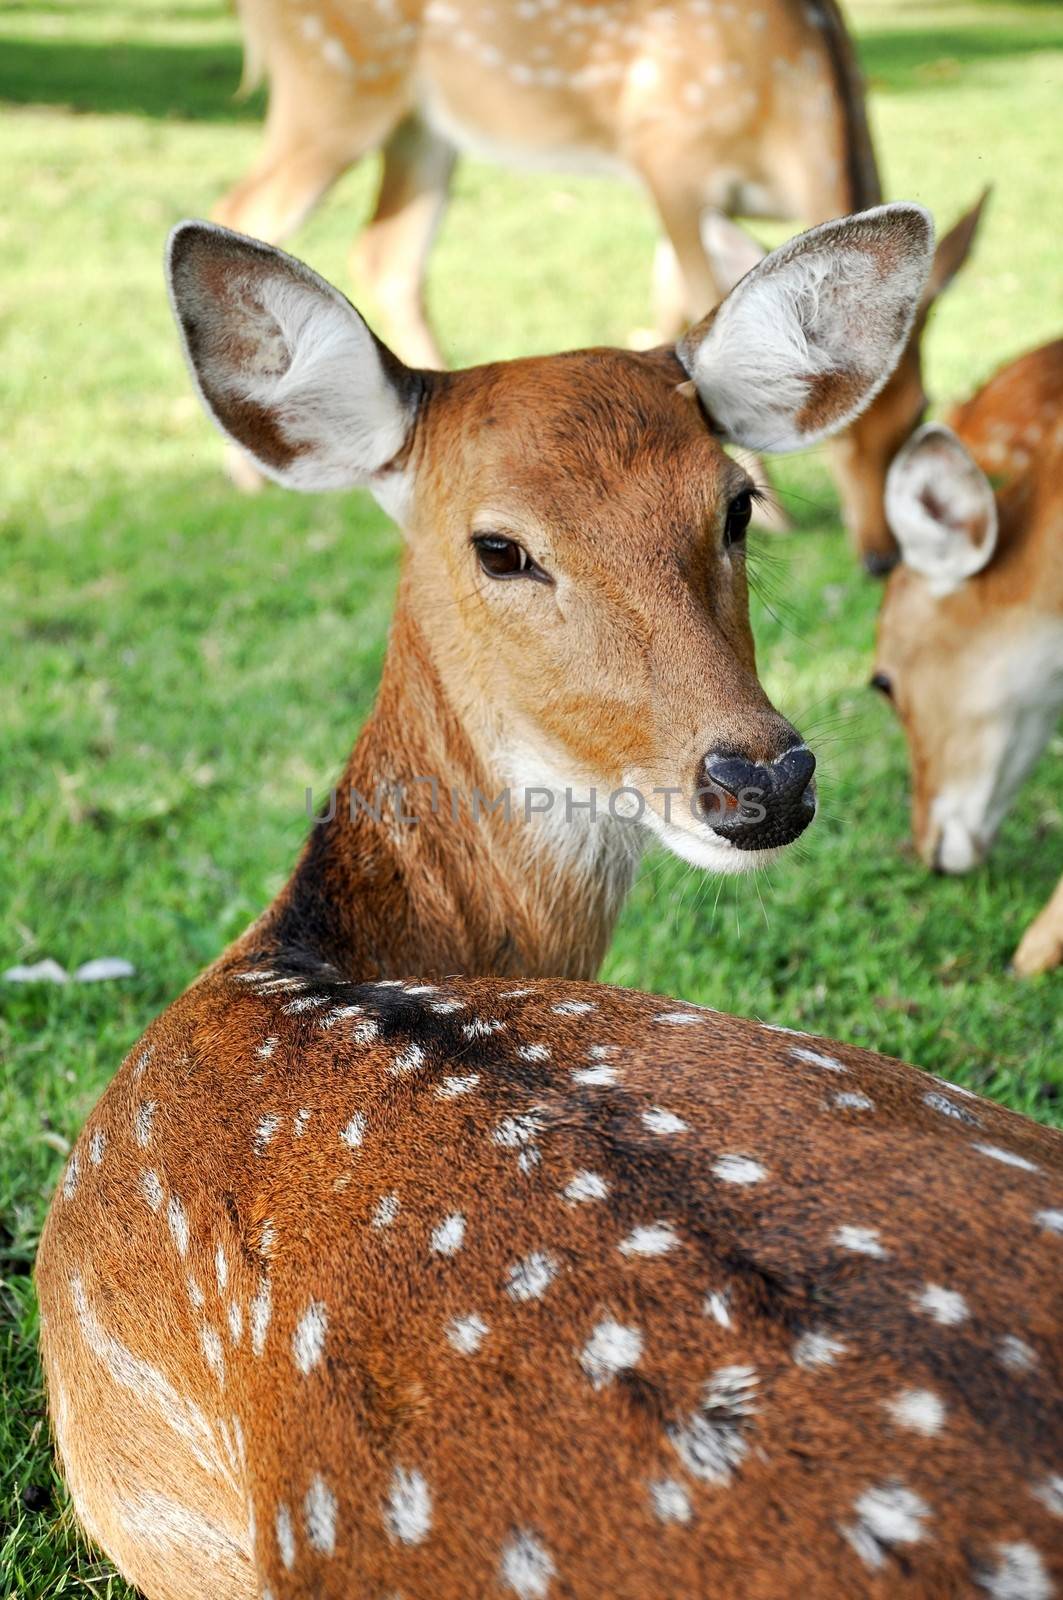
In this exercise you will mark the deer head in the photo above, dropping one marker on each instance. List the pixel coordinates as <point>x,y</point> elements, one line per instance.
<point>575,562</point>
<point>972,666</point>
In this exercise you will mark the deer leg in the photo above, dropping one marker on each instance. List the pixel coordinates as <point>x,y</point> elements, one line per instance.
<point>1041,946</point>
<point>392,253</point>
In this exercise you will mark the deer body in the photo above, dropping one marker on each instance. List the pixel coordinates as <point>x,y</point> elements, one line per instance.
<point>971,631</point>
<point>364,1278</point>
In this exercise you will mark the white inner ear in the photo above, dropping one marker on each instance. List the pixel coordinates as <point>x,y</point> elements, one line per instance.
<point>806,340</point>
<point>267,339</point>
<point>941,509</point>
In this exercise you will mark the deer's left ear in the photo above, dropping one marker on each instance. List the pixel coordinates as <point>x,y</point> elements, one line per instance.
<point>806,340</point>
<point>940,506</point>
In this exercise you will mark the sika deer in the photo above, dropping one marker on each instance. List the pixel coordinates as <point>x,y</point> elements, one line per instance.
<point>367,1280</point>
<point>755,108</point>
<point>970,641</point>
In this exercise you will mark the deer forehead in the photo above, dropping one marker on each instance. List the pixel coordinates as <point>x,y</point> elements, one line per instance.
<point>574,444</point>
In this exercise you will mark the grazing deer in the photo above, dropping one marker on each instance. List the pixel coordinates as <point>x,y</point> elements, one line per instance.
<point>754,107</point>
<point>970,637</point>
<point>367,1280</point>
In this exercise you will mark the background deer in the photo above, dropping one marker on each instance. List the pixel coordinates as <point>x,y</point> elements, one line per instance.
<point>754,108</point>
<point>363,1279</point>
<point>970,638</point>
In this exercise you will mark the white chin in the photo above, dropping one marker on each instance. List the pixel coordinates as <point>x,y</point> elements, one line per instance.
<point>958,851</point>
<point>708,850</point>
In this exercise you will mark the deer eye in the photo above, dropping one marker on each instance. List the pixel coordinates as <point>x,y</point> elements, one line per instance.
<point>500,557</point>
<point>737,520</point>
<point>882,683</point>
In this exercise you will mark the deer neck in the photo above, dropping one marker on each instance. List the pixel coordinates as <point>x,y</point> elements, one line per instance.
<point>410,870</point>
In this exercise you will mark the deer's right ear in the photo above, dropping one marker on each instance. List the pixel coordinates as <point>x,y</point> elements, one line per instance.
<point>807,338</point>
<point>284,364</point>
<point>940,506</point>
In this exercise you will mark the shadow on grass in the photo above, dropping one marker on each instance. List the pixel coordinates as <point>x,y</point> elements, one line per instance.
<point>194,82</point>
<point>899,59</point>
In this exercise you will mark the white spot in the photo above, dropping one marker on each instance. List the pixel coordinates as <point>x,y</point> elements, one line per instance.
<point>533,1052</point>
<point>365,1032</point>
<point>285,1536</point>
<point>213,1354</point>
<point>481,1028</point>
<point>886,1516</point>
<point>853,1100</point>
<point>178,1224</point>
<point>221,1268</point>
<point>339,1014</point>
<point>519,1133</point>
<point>586,1186</point>
<point>943,1305</point>
<point>142,1061</point>
<point>353,1134</point>
<point>529,1279</point>
<point>657,1120</point>
<point>267,1238</point>
<point>261,1310</point>
<point>573,1008</point>
<point>151,1188</point>
<point>236,1322</point>
<point>308,1002</point>
<point>195,1293</point>
<point>454,1086</point>
<point>601,1052</point>
<point>917,1409</point>
<point>467,1334</point>
<point>649,1239</point>
<point>527,1567</point>
<point>1008,1157</point>
<point>264,1132</point>
<point>738,1169</point>
<point>70,1180</point>
<point>1016,1354</point>
<point>308,1340</point>
<point>408,1513</point>
<point>1050,1220</point>
<point>679,1018</point>
<point>145,1115</point>
<point>266,1048</point>
<point>863,1241</point>
<point>299,1121</point>
<point>421,988</point>
<point>611,1348</point>
<point>411,1060</point>
<point>444,1008</point>
<point>260,975</point>
<point>319,1511</point>
<point>385,1211</point>
<point>600,1076</point>
<point>1050,1493</point>
<point>670,1501</point>
<point>711,1443</point>
<point>98,1143</point>
<point>716,1306</point>
<point>515,994</point>
<point>815,1349</point>
<point>948,1108</point>
<point>448,1238</point>
<point>1018,1575</point>
<point>816,1058</point>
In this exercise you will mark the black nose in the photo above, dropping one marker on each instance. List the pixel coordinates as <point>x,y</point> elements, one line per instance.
<point>879,564</point>
<point>759,807</point>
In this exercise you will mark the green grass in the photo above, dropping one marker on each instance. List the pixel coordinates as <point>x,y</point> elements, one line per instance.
<point>179,662</point>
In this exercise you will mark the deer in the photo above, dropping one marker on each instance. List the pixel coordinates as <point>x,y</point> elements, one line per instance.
<point>400,1256</point>
<point>970,633</point>
<point>750,108</point>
